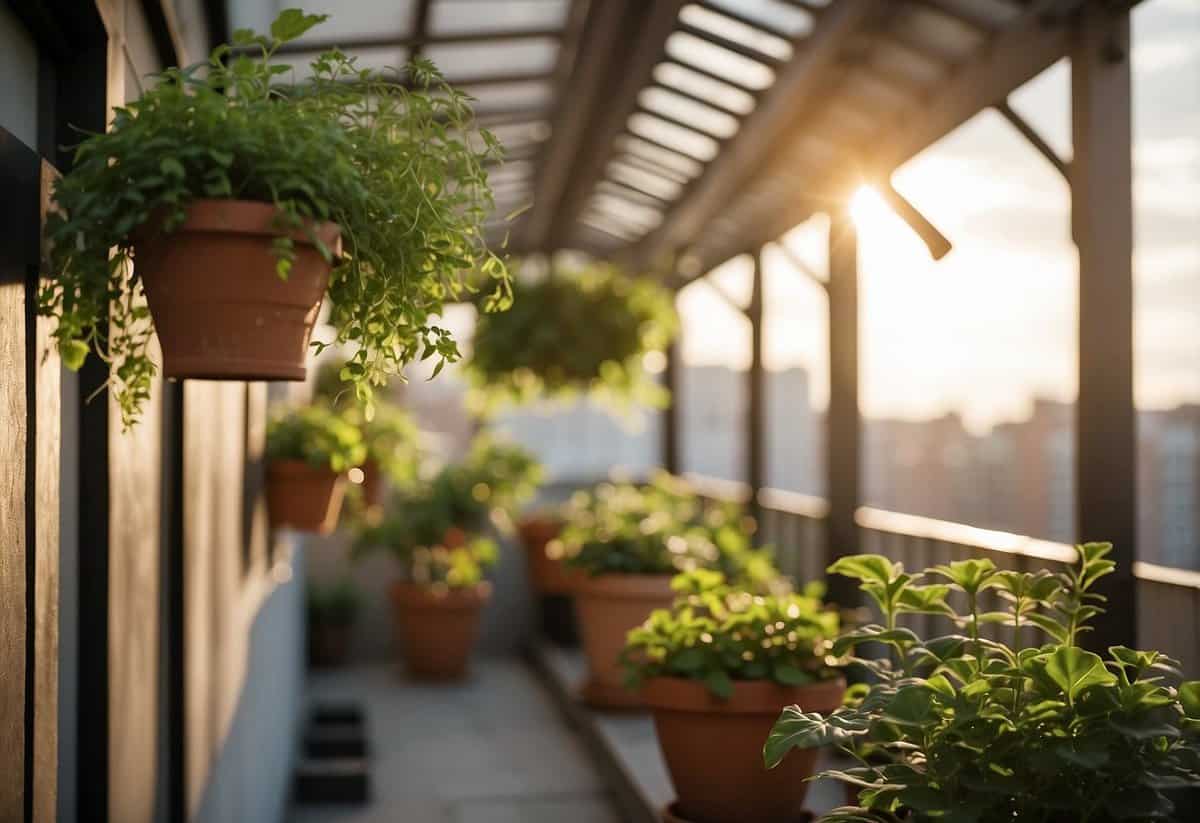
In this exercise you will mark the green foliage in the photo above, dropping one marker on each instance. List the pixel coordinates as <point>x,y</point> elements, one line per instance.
<point>317,436</point>
<point>976,731</point>
<point>570,333</point>
<point>392,158</point>
<point>334,604</point>
<point>662,527</point>
<point>718,634</point>
<point>436,530</point>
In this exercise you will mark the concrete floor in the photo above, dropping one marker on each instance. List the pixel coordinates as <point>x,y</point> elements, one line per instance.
<point>492,750</point>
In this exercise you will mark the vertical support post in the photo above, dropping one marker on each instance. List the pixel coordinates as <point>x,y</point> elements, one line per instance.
<point>1102,225</point>
<point>670,414</point>
<point>843,422</point>
<point>756,391</point>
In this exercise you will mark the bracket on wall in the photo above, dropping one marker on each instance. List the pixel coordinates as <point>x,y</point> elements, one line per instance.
<point>1035,139</point>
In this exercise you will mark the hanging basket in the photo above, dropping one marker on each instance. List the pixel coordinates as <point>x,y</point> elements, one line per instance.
<point>221,310</point>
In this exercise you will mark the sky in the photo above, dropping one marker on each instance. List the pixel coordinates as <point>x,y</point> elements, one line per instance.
<point>994,323</point>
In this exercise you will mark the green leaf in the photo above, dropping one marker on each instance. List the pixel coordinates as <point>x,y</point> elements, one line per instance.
<point>1072,669</point>
<point>865,567</point>
<point>293,23</point>
<point>911,706</point>
<point>73,353</point>
<point>1189,698</point>
<point>170,167</point>
<point>797,730</point>
<point>790,675</point>
<point>719,683</point>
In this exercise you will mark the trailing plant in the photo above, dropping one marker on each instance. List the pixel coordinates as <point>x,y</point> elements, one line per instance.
<point>718,634</point>
<point>662,527</point>
<point>982,731</point>
<point>586,331</point>
<point>386,155</point>
<point>316,436</point>
<point>333,604</point>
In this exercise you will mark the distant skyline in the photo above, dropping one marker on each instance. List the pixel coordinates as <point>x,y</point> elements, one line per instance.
<point>994,323</point>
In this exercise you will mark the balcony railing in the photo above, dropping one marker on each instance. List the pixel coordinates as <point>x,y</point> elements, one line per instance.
<point>1169,599</point>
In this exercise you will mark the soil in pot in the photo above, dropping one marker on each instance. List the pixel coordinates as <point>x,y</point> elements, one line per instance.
<point>302,497</point>
<point>713,748</point>
<point>608,606</point>
<point>220,309</point>
<point>436,629</point>
<point>328,644</point>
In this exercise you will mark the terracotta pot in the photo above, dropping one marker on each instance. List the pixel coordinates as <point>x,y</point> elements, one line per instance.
<point>328,644</point>
<point>220,309</point>
<point>302,497</point>
<point>671,814</point>
<point>549,575</point>
<point>372,484</point>
<point>437,629</point>
<point>608,607</point>
<point>713,748</point>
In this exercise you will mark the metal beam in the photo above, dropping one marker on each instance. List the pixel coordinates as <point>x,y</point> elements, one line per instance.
<point>630,69</point>
<point>842,420</point>
<point>937,243</point>
<point>1035,139</point>
<point>1102,225</point>
<point>800,265</point>
<point>756,409</point>
<point>728,298</point>
<point>763,131</point>
<point>965,11</point>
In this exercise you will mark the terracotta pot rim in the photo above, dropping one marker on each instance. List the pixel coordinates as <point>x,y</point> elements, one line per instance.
<point>291,465</point>
<point>409,595</point>
<point>612,586</point>
<point>749,696</point>
<point>230,216</point>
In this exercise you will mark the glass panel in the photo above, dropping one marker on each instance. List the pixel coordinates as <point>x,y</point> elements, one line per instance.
<point>355,18</point>
<point>608,226</point>
<point>645,216</point>
<point>720,94</point>
<point>762,42</point>
<point>745,72</point>
<point>18,80</point>
<point>469,16</point>
<point>639,162</point>
<point>656,154</point>
<point>509,172</point>
<point>677,107</point>
<point>610,187</point>
<point>782,17</point>
<point>463,60</point>
<point>654,184</point>
<point>510,96</point>
<point>689,142</point>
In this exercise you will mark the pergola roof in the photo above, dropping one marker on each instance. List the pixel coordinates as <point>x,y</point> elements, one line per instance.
<point>700,128</point>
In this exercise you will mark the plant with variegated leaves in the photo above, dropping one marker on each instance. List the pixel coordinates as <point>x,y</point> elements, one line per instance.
<point>974,730</point>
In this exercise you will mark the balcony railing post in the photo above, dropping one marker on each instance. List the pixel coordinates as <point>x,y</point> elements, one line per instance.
<point>670,415</point>
<point>843,420</point>
<point>756,421</point>
<point>1102,225</point>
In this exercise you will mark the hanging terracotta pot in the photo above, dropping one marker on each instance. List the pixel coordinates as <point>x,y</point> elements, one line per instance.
<point>436,629</point>
<point>220,309</point>
<point>372,483</point>
<point>713,748</point>
<point>303,497</point>
<point>549,575</point>
<point>608,606</point>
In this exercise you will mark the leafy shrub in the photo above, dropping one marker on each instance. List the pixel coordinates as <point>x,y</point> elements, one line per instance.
<point>333,604</point>
<point>384,155</point>
<point>718,634</point>
<point>569,333</point>
<point>661,527</point>
<point>316,436</point>
<point>979,731</point>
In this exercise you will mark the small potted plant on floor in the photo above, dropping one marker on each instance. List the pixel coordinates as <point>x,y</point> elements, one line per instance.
<point>986,731</point>
<point>553,581</point>
<point>235,194</point>
<point>441,534</point>
<point>332,608</point>
<point>309,450</point>
<point>716,669</point>
<point>587,331</point>
<point>629,540</point>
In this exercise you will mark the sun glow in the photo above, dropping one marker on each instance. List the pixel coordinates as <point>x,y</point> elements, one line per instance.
<point>868,210</point>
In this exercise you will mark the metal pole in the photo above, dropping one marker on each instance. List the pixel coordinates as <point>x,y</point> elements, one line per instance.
<point>1102,225</point>
<point>756,422</point>
<point>670,414</point>
<point>843,422</point>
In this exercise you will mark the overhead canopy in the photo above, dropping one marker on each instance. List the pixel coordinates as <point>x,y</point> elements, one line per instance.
<point>701,129</point>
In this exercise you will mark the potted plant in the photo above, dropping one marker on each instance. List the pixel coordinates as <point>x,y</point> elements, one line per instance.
<point>716,669</point>
<point>245,196</point>
<point>308,450</point>
<point>629,540</point>
<point>332,609</point>
<point>553,581</point>
<point>986,730</point>
<point>440,533</point>
<point>586,331</point>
